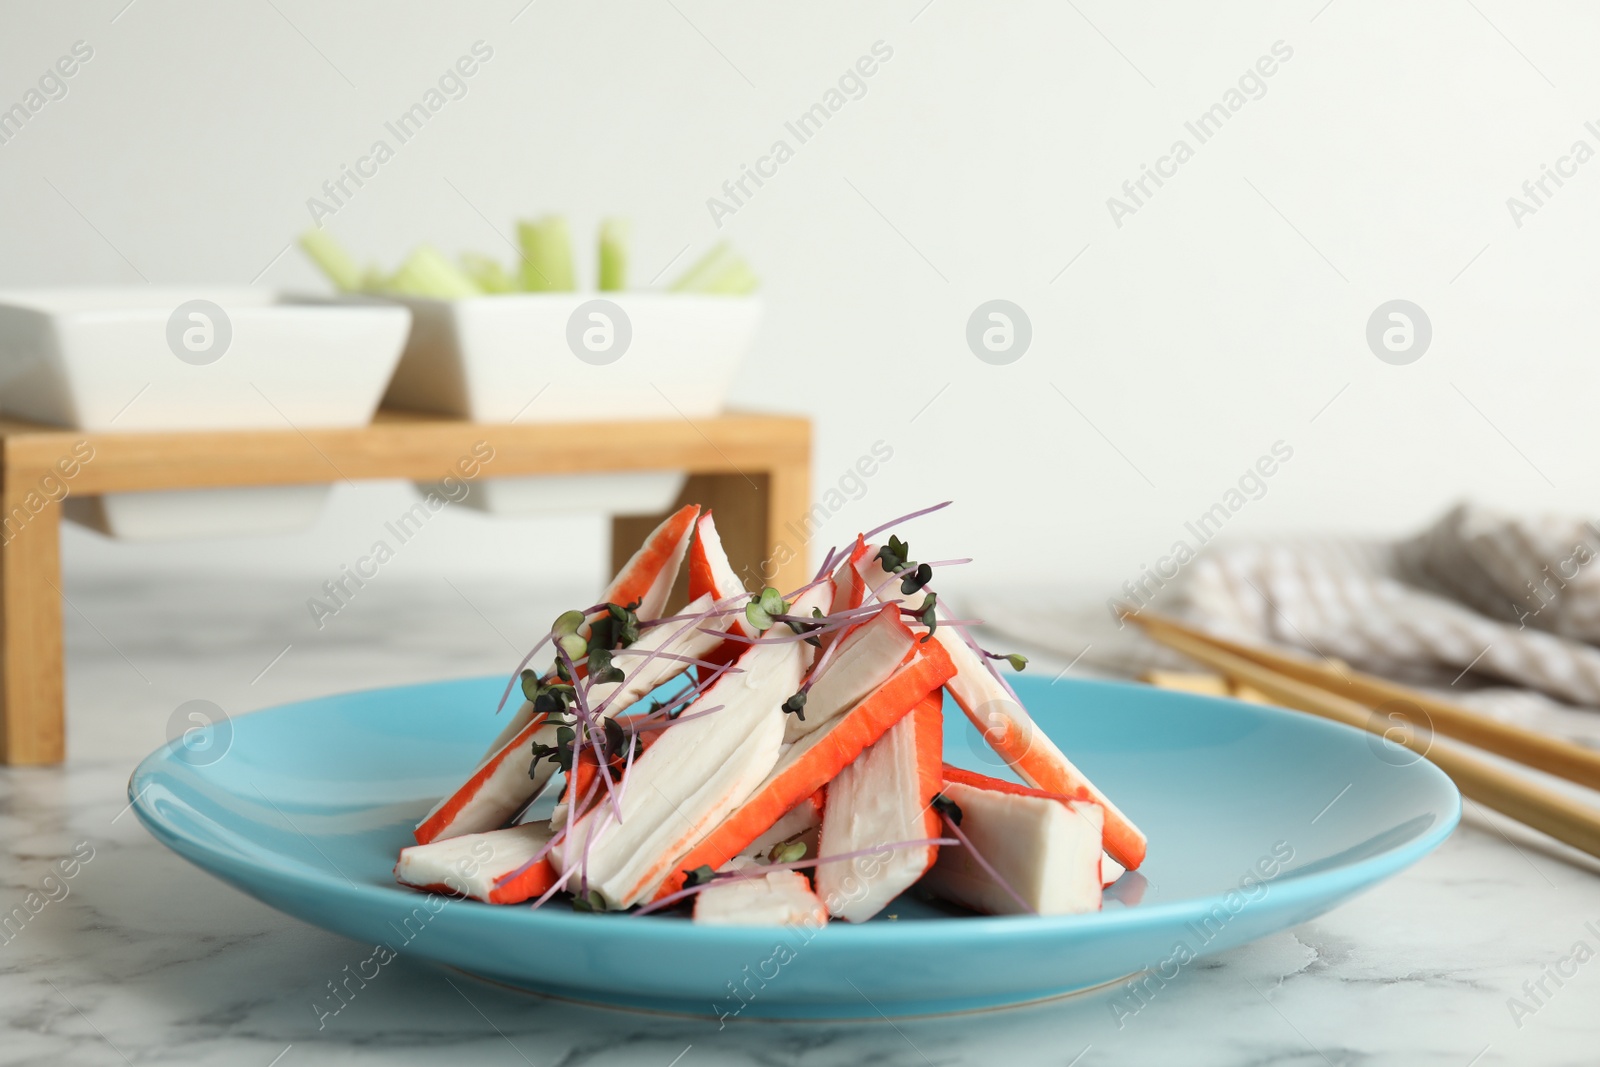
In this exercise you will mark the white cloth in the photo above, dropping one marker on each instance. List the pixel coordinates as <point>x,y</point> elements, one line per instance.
<point>1501,598</point>
<point>1494,611</point>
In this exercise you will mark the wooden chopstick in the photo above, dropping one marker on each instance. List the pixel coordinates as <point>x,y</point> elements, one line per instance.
<point>1526,801</point>
<point>1549,754</point>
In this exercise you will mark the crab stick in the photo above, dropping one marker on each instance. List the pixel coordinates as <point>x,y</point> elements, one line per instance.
<point>1043,849</point>
<point>468,866</point>
<point>1110,869</point>
<point>498,788</point>
<point>1006,725</point>
<point>776,898</point>
<point>696,773</point>
<point>823,756</point>
<point>503,783</point>
<point>647,577</point>
<point>884,797</point>
<point>801,823</point>
<point>710,574</point>
<point>864,660</point>
<point>849,590</point>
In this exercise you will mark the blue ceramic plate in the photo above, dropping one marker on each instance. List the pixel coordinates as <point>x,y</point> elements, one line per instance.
<point>1258,819</point>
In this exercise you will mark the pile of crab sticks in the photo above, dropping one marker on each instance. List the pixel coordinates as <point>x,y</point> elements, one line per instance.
<point>795,775</point>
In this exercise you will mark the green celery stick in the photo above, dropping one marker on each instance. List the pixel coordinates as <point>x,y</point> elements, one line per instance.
<point>546,255</point>
<point>335,262</point>
<point>736,279</point>
<point>721,271</point>
<point>488,273</point>
<point>613,255</point>
<point>427,273</point>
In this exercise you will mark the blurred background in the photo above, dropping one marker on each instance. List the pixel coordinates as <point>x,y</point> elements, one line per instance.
<point>1174,340</point>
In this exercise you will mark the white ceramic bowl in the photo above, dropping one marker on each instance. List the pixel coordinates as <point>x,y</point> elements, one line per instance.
<point>545,357</point>
<point>157,358</point>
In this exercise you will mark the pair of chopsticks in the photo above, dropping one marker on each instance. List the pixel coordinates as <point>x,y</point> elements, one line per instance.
<point>1352,698</point>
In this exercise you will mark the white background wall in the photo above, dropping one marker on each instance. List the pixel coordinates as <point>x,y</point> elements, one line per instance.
<point>1225,315</point>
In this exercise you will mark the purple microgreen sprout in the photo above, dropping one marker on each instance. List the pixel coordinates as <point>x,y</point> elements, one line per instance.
<point>876,530</point>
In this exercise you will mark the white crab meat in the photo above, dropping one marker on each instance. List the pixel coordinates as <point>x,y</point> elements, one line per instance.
<point>1047,850</point>
<point>882,799</point>
<point>863,661</point>
<point>699,770</point>
<point>777,898</point>
<point>470,865</point>
<point>502,784</point>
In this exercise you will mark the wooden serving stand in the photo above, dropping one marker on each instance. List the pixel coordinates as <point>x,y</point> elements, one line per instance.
<point>755,470</point>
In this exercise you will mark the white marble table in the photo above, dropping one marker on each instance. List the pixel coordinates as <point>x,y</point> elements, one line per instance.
<point>145,960</point>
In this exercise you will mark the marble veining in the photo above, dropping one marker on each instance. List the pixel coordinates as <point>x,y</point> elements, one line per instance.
<point>138,958</point>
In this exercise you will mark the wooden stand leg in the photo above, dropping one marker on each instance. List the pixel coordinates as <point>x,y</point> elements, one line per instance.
<point>32,697</point>
<point>761,519</point>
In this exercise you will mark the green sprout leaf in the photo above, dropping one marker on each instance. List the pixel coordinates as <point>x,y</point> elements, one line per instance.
<point>554,699</point>
<point>624,622</point>
<point>568,622</point>
<point>616,740</point>
<point>916,580</point>
<point>796,705</point>
<point>565,739</point>
<point>699,876</point>
<point>772,602</point>
<point>1017,660</point>
<point>602,633</point>
<point>601,669</point>
<point>948,808</point>
<point>787,852</point>
<point>530,685</point>
<point>592,902</point>
<point>573,645</point>
<point>758,619</point>
<point>895,556</point>
<point>927,615</point>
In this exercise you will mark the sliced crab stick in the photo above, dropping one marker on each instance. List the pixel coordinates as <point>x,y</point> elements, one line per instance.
<point>820,757</point>
<point>503,783</point>
<point>885,797</point>
<point>776,898</point>
<point>1110,869</point>
<point>864,660</point>
<point>699,770</point>
<point>497,790</point>
<point>1045,850</point>
<point>711,575</point>
<point>801,824</point>
<point>849,590</point>
<point>647,577</point>
<point>468,866</point>
<point>710,572</point>
<point>1006,725</point>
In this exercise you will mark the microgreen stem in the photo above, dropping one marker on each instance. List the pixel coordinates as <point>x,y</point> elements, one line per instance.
<point>876,530</point>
